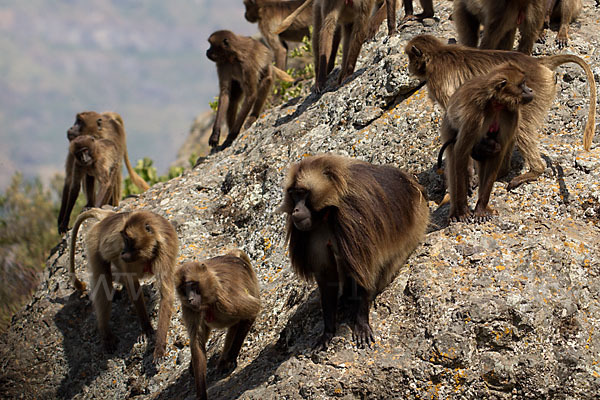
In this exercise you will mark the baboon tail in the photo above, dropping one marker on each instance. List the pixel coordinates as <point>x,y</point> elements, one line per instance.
<point>290,18</point>
<point>441,153</point>
<point>135,178</point>
<point>282,75</point>
<point>553,62</point>
<point>97,213</point>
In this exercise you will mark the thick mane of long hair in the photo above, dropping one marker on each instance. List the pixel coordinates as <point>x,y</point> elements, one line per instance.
<point>366,212</point>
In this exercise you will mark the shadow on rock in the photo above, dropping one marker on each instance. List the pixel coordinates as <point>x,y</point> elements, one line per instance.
<point>82,345</point>
<point>298,336</point>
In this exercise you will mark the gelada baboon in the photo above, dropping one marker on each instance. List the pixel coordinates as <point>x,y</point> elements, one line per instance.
<point>128,246</point>
<point>107,125</point>
<point>482,118</point>
<point>446,67</point>
<point>500,19</point>
<point>98,159</point>
<point>353,224</point>
<point>244,69</point>
<point>565,12</point>
<point>269,14</point>
<point>218,293</point>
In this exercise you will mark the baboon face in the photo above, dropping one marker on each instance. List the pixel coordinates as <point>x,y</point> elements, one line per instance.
<point>251,11</point>
<point>81,148</point>
<point>191,296</point>
<point>220,47</point>
<point>86,123</point>
<point>511,88</point>
<point>416,61</point>
<point>301,213</point>
<point>139,241</point>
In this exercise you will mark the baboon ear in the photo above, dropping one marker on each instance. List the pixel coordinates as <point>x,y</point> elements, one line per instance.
<point>415,50</point>
<point>500,85</point>
<point>226,42</point>
<point>148,228</point>
<point>99,123</point>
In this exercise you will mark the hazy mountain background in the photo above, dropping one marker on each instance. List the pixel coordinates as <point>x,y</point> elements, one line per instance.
<point>142,58</point>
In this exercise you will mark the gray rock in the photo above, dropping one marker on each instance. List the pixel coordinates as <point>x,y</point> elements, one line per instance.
<point>505,309</point>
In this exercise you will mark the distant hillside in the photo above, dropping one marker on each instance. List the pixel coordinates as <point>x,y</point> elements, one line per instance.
<point>145,60</point>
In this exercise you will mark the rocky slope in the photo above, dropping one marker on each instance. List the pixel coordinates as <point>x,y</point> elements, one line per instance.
<point>505,309</point>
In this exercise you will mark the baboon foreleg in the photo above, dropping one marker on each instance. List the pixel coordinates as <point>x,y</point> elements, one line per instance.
<point>90,192</point>
<point>329,291</point>
<point>458,183</point>
<point>69,197</point>
<point>566,16</point>
<point>165,311</point>
<point>362,332</point>
<point>337,37</point>
<point>487,176</point>
<point>198,349</point>
<point>222,109</point>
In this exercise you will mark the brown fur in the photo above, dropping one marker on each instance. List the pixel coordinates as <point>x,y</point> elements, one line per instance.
<point>565,12</point>
<point>269,14</point>
<point>136,244</point>
<point>500,19</point>
<point>426,6</point>
<point>98,159</point>
<point>109,126</point>
<point>218,293</point>
<point>365,220</point>
<point>446,67</point>
<point>244,69</point>
<point>353,19</point>
<point>388,12</point>
<point>486,105</point>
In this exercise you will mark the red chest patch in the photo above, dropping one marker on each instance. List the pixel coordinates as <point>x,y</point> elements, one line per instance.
<point>148,268</point>
<point>209,315</point>
<point>494,127</point>
<point>349,2</point>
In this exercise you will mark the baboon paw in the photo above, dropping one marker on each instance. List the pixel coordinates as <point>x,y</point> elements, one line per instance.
<point>463,217</point>
<point>323,342</point>
<point>562,42</point>
<point>362,334</point>
<point>158,356</point>
<point>80,286</point>
<point>251,119</point>
<point>144,337</point>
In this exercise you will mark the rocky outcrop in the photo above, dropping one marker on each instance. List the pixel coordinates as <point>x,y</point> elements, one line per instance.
<point>505,309</point>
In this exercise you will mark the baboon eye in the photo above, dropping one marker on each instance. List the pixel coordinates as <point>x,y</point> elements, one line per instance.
<point>416,51</point>
<point>99,122</point>
<point>148,228</point>
<point>501,84</point>
<point>226,42</point>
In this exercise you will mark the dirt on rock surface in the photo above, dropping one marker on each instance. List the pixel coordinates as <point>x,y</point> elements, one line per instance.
<point>506,309</point>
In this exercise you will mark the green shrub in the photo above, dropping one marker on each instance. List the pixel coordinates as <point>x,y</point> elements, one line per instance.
<point>28,231</point>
